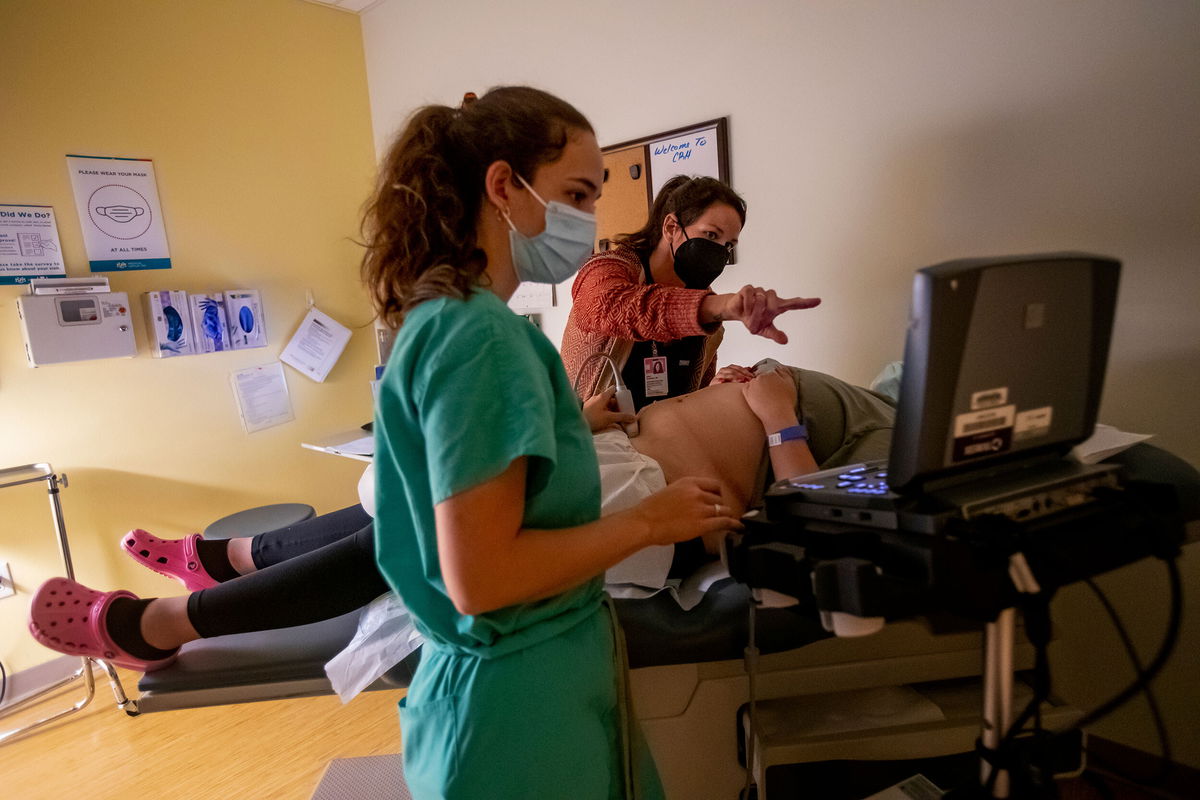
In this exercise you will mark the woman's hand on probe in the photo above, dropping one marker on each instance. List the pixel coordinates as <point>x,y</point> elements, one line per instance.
<point>601,412</point>
<point>687,508</point>
<point>756,308</point>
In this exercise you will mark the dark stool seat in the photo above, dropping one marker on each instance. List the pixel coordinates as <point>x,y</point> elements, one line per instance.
<point>254,521</point>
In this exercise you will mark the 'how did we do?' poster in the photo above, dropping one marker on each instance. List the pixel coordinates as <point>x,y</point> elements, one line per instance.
<point>29,246</point>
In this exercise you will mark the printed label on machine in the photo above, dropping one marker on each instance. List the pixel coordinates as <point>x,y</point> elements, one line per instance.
<point>1033,423</point>
<point>986,420</point>
<point>987,443</point>
<point>989,398</point>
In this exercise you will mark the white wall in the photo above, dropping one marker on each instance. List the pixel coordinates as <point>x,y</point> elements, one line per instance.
<point>873,138</point>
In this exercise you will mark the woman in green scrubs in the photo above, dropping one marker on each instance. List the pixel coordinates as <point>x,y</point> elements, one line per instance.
<point>486,480</point>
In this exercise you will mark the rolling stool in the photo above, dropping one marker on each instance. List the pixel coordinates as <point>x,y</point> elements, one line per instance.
<point>260,519</point>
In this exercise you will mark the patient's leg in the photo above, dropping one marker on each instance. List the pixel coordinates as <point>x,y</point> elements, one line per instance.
<point>317,585</point>
<point>309,587</point>
<point>274,547</point>
<point>221,560</point>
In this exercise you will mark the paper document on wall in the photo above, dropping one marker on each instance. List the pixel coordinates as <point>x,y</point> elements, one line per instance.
<point>316,345</point>
<point>262,396</point>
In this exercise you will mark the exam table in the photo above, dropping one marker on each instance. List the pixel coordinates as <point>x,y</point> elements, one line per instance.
<point>687,675</point>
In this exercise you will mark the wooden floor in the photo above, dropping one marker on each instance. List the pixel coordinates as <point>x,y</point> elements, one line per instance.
<point>260,751</point>
<point>253,751</point>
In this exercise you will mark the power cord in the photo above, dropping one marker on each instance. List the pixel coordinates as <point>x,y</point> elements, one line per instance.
<point>1164,652</point>
<point>1145,676</point>
<point>751,665</point>
<point>595,357</point>
<point>1155,712</point>
<point>3,683</point>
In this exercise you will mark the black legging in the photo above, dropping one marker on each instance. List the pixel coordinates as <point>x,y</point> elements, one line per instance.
<point>315,570</point>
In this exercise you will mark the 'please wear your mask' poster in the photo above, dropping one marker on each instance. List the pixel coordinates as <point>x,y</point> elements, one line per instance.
<point>122,221</point>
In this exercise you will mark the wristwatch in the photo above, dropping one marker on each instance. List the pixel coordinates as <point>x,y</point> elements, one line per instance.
<point>788,435</point>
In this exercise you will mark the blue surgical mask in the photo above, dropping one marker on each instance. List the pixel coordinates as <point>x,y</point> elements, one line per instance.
<point>559,251</point>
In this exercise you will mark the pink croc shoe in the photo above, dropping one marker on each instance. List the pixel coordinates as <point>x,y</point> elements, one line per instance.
<point>175,558</point>
<point>69,617</point>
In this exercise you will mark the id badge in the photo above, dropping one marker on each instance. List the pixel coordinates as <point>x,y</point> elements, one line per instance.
<point>656,376</point>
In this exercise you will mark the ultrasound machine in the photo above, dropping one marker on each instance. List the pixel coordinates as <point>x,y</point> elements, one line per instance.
<point>977,513</point>
<point>979,509</point>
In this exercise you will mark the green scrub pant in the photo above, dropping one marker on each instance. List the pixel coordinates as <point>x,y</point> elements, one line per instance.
<point>541,722</point>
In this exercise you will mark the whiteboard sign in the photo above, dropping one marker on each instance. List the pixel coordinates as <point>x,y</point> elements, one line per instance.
<point>693,153</point>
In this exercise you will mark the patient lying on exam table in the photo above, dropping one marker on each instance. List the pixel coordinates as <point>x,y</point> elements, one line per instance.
<point>325,567</point>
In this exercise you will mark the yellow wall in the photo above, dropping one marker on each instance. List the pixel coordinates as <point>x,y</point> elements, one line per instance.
<point>256,115</point>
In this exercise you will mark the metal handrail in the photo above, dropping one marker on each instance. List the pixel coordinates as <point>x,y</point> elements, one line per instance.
<point>19,476</point>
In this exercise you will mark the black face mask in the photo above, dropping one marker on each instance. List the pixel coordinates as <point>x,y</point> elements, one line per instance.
<point>699,262</point>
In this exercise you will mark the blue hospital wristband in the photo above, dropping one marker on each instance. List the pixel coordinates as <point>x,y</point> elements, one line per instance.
<point>787,435</point>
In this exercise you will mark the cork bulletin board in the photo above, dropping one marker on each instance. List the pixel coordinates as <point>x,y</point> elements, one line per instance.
<point>634,171</point>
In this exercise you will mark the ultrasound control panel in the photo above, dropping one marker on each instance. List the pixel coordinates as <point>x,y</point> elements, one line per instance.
<point>842,484</point>
<point>856,494</point>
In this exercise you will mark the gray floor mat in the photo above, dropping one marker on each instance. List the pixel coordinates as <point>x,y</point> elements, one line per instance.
<point>363,778</point>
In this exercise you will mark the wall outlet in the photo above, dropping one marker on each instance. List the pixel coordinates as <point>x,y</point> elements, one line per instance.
<point>7,587</point>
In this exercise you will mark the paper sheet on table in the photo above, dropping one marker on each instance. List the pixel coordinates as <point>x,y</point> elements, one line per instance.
<point>918,787</point>
<point>385,636</point>
<point>688,592</point>
<point>262,396</point>
<point>364,446</point>
<point>351,444</point>
<point>316,345</point>
<point>1105,441</point>
<point>856,710</point>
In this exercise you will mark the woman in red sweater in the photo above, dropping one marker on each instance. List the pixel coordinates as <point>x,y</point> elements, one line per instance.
<point>647,303</point>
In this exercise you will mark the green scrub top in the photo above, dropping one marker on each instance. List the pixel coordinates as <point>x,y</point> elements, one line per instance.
<point>469,388</point>
<point>520,701</point>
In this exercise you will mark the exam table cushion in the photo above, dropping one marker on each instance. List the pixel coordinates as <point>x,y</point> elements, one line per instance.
<point>283,654</point>
<point>657,630</point>
<point>1149,463</point>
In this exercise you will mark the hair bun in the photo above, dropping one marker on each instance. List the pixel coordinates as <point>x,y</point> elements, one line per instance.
<point>468,99</point>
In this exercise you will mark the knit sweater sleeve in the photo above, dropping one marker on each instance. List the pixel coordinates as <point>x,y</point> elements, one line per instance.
<point>609,298</point>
